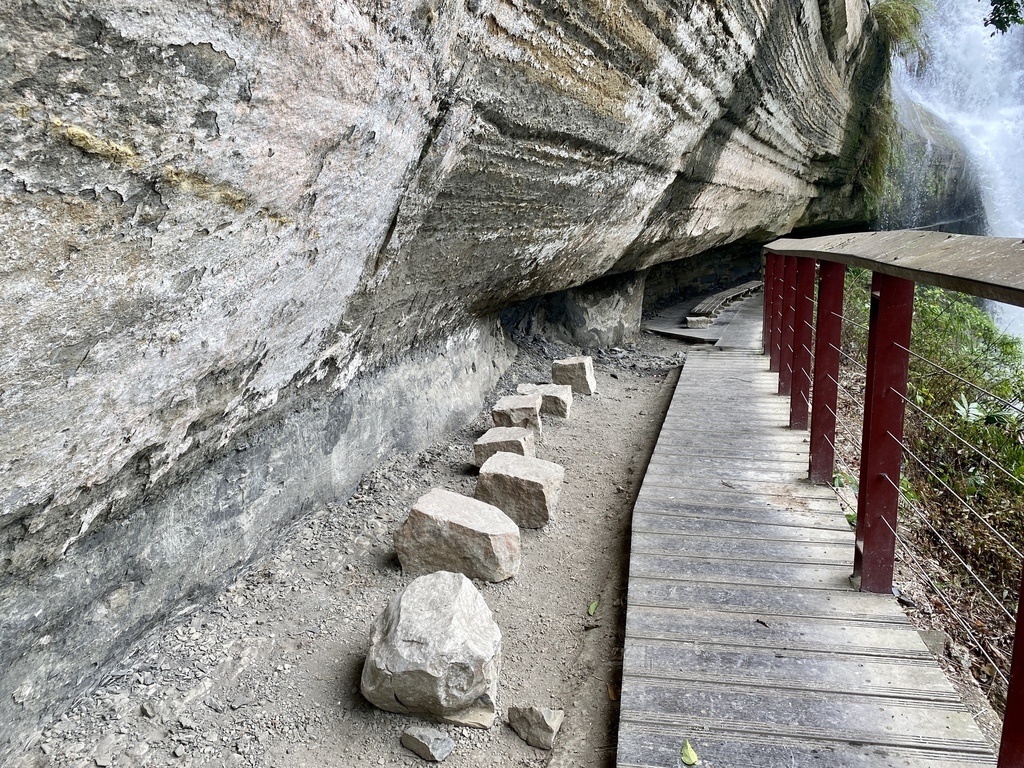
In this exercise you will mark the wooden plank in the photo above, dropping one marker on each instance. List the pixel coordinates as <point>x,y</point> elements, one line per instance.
<point>743,633</point>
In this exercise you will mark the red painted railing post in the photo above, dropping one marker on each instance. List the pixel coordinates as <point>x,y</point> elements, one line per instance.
<point>892,311</point>
<point>778,285</point>
<point>788,324</point>
<point>829,326</point>
<point>803,331</point>
<point>770,262</point>
<point>1011,747</point>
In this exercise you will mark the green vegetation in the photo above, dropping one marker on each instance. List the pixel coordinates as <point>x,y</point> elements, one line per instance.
<point>1005,14</point>
<point>899,21</point>
<point>965,399</point>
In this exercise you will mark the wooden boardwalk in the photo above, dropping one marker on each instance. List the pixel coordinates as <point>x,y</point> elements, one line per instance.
<point>743,634</point>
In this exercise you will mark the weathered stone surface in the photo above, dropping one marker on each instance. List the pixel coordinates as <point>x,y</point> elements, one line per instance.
<point>436,651</point>
<point>428,743</point>
<point>208,267</point>
<point>556,398</point>
<point>576,372</point>
<point>519,411</point>
<point>508,439</point>
<point>601,313</point>
<point>525,489</point>
<point>447,531</point>
<point>535,725</point>
<point>699,321</point>
<point>934,184</point>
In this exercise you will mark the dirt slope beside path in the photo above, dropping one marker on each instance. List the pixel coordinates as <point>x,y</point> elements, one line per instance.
<point>268,674</point>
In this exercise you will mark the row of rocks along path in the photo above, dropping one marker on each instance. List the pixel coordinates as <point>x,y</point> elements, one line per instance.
<point>267,673</point>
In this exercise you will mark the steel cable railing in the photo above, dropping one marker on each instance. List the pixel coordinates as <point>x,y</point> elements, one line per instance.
<point>934,446</point>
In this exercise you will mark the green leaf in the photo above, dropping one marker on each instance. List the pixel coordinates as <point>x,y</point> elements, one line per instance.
<point>592,608</point>
<point>687,755</point>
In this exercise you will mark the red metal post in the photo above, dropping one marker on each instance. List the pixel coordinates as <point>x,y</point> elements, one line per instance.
<point>831,278</point>
<point>892,310</point>
<point>770,262</point>
<point>777,294</point>
<point>1011,747</point>
<point>788,324</point>
<point>803,331</point>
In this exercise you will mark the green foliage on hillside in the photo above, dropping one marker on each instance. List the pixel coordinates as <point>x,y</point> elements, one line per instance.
<point>963,470</point>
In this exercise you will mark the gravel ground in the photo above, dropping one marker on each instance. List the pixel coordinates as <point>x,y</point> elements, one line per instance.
<point>267,673</point>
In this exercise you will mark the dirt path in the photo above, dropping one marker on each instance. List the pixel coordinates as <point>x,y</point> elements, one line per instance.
<point>267,675</point>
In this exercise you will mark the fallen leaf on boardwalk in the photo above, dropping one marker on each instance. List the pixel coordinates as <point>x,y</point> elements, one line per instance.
<point>592,608</point>
<point>687,755</point>
<point>613,692</point>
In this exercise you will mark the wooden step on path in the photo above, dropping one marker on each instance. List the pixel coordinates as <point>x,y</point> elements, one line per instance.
<point>743,633</point>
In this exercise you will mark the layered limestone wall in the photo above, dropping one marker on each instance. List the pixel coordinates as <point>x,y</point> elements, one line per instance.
<point>251,245</point>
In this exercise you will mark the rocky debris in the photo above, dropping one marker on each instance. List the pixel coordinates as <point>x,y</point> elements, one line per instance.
<point>436,651</point>
<point>556,399</point>
<point>535,725</point>
<point>526,489</point>
<point>428,743</point>
<point>577,372</point>
<point>518,411</point>
<point>447,531</point>
<point>509,439</point>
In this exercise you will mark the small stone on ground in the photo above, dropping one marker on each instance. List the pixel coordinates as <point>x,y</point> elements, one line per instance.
<point>525,489</point>
<point>536,726</point>
<point>447,531</point>
<point>508,439</point>
<point>556,399</point>
<point>519,411</point>
<point>428,743</point>
<point>577,372</point>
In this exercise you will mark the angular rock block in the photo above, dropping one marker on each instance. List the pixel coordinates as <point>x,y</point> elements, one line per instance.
<point>577,372</point>
<point>447,531</point>
<point>698,322</point>
<point>526,489</point>
<point>428,743</point>
<point>556,399</point>
<point>535,725</point>
<point>508,439</point>
<point>518,411</point>
<point>435,651</point>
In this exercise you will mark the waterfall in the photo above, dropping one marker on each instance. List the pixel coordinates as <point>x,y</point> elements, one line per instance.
<point>974,81</point>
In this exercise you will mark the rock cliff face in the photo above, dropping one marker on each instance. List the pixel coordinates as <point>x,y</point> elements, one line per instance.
<point>931,181</point>
<point>252,245</point>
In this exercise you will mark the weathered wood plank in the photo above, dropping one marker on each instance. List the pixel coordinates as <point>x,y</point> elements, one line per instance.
<point>743,633</point>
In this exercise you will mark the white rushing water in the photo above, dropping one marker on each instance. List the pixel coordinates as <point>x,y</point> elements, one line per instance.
<point>974,81</point>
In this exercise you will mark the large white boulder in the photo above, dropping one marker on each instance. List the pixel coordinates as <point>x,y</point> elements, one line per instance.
<point>435,651</point>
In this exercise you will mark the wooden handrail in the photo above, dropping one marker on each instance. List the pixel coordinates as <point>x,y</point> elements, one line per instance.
<point>989,267</point>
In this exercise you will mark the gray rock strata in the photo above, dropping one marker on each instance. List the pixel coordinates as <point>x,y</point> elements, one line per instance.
<point>249,247</point>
